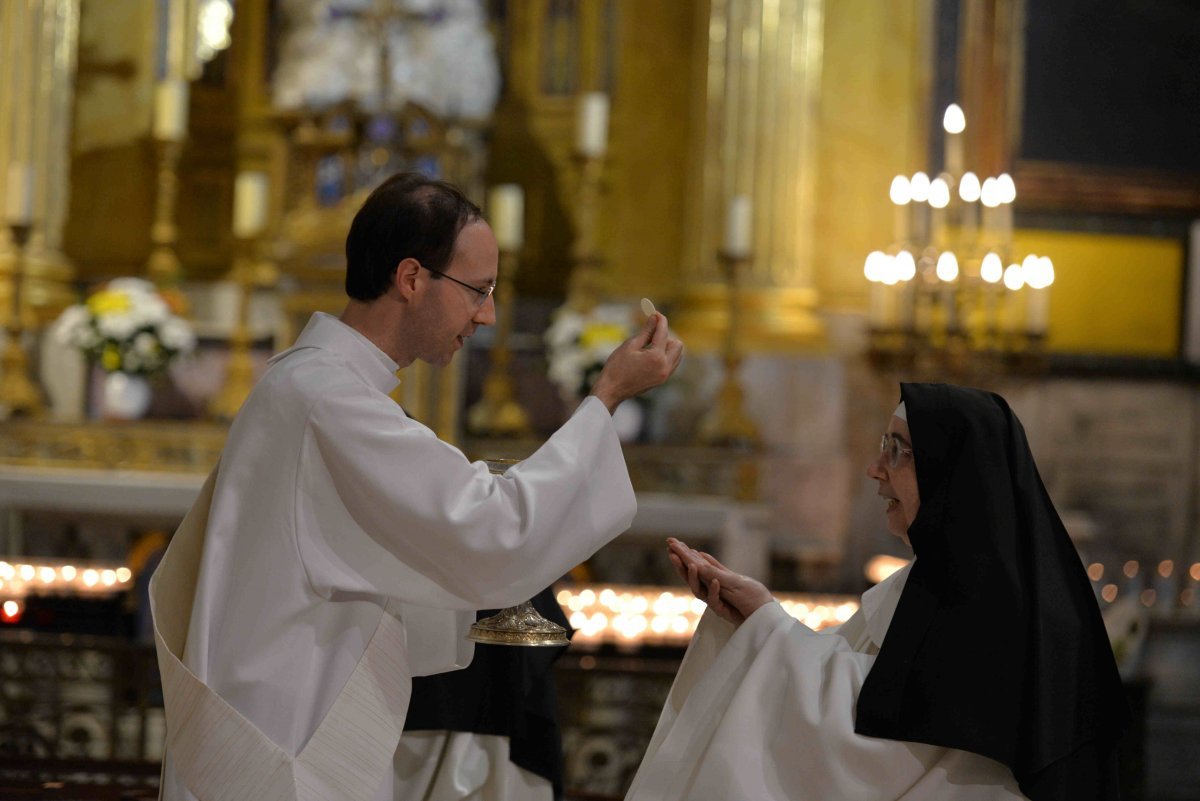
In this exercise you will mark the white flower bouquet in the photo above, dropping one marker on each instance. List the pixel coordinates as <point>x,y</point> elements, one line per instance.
<point>577,345</point>
<point>129,326</point>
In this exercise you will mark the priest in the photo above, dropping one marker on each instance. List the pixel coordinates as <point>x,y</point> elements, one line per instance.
<point>340,548</point>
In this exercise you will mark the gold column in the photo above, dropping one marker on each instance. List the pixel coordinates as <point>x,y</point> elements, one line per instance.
<point>756,135</point>
<point>37,57</point>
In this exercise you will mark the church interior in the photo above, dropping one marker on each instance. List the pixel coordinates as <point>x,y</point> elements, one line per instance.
<point>825,197</point>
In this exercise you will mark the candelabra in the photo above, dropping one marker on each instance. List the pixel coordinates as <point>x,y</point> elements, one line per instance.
<point>585,287</point>
<point>586,284</point>
<point>941,292</point>
<point>19,394</point>
<point>239,377</point>
<point>498,413</point>
<point>163,266</point>
<point>251,190</point>
<point>727,423</point>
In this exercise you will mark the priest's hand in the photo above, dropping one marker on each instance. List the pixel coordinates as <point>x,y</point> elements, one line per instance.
<point>729,595</point>
<point>642,362</point>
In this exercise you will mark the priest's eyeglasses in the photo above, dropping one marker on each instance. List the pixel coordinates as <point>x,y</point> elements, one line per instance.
<point>891,448</point>
<point>483,293</point>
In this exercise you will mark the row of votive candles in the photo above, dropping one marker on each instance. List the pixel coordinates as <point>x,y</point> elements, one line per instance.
<point>1162,586</point>
<point>634,616</point>
<point>19,579</point>
<point>631,617</point>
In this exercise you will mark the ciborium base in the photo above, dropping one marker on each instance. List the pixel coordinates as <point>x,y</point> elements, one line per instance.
<point>518,625</point>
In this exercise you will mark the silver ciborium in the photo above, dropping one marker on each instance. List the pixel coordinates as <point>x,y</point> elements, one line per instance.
<point>520,624</point>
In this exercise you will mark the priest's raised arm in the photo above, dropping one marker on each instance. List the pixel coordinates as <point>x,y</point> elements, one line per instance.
<point>386,507</point>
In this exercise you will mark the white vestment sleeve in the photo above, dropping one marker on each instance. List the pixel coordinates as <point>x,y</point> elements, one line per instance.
<point>386,508</point>
<point>766,712</point>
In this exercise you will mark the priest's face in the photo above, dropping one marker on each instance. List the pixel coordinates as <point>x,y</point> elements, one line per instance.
<point>896,473</point>
<point>460,300</point>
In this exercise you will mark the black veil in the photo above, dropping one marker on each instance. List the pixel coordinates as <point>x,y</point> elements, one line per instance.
<point>997,646</point>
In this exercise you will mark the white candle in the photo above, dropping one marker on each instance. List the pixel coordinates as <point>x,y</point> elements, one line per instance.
<point>969,190</point>
<point>506,208</point>
<point>591,129</point>
<point>921,225</point>
<point>738,227</point>
<point>1037,312</point>
<point>991,309</point>
<point>970,219</point>
<point>877,311</point>
<point>900,223</point>
<point>937,227</point>
<point>171,110</point>
<point>954,122</point>
<point>891,304</point>
<point>939,199</point>
<point>950,303</point>
<point>922,312</point>
<point>989,197</point>
<point>954,153</point>
<point>250,191</point>
<point>905,303</point>
<point>1004,213</point>
<point>18,194</point>
<point>901,195</point>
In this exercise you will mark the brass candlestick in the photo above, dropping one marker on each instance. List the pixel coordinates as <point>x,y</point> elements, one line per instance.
<point>19,393</point>
<point>498,413</point>
<point>239,377</point>
<point>163,266</point>
<point>585,286</point>
<point>520,624</point>
<point>727,423</point>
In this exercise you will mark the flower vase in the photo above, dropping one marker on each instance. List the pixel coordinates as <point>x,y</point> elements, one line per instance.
<point>124,396</point>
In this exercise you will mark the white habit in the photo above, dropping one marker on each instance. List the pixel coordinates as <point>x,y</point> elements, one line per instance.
<point>337,550</point>
<point>765,712</point>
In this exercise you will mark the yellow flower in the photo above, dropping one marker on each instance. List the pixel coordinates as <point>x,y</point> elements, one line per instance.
<point>601,333</point>
<point>108,302</point>
<point>110,359</point>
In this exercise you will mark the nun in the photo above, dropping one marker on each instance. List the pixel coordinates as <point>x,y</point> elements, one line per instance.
<point>979,672</point>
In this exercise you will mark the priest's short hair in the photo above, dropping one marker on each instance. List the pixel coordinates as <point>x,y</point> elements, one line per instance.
<point>407,216</point>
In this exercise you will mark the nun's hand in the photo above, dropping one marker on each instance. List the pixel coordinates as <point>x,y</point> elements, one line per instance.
<point>729,595</point>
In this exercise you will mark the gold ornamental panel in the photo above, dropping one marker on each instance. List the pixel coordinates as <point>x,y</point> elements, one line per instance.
<point>162,447</point>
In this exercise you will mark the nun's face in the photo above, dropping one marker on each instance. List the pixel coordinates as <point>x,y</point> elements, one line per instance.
<point>896,473</point>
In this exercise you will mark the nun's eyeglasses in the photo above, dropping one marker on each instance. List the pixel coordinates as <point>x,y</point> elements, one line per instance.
<point>890,447</point>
